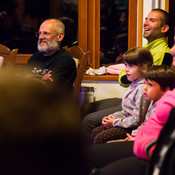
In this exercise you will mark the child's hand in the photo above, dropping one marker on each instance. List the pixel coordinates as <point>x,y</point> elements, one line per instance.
<point>128,138</point>
<point>108,121</point>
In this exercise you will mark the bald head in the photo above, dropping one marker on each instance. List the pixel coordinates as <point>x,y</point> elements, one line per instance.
<point>55,24</point>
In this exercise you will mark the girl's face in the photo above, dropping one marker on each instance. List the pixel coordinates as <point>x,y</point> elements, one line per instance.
<point>133,72</point>
<point>152,90</point>
<point>173,53</point>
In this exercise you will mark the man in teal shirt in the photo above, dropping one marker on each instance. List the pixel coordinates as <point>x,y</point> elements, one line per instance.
<point>156,27</point>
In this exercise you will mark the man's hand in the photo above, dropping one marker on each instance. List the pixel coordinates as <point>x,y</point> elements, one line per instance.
<point>47,76</point>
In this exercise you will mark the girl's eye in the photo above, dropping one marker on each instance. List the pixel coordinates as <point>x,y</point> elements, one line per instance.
<point>150,84</point>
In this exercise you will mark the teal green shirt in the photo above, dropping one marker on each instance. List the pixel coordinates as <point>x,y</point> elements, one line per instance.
<point>158,48</point>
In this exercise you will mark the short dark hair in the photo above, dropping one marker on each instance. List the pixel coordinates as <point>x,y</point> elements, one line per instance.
<point>139,56</point>
<point>165,20</point>
<point>163,75</point>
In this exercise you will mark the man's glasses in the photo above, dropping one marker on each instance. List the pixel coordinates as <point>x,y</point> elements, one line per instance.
<point>45,34</point>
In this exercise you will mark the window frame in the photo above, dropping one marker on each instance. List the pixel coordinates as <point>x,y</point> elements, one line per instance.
<point>89,28</point>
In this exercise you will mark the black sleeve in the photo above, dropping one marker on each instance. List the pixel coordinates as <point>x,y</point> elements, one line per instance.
<point>28,65</point>
<point>167,60</point>
<point>64,70</point>
<point>124,80</point>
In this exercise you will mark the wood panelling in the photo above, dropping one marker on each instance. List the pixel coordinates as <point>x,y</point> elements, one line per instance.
<point>140,23</point>
<point>100,77</point>
<point>20,61</point>
<point>89,29</point>
<point>94,32</point>
<point>132,25</point>
<point>82,24</point>
<point>167,5</point>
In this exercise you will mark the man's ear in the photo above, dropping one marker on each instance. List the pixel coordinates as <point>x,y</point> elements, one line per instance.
<point>165,28</point>
<point>60,36</point>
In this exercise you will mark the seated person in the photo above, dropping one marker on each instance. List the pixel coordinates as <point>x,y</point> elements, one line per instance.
<point>52,63</point>
<point>156,27</point>
<point>137,61</point>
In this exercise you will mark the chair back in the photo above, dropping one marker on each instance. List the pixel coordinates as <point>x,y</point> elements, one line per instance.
<point>9,55</point>
<point>78,54</point>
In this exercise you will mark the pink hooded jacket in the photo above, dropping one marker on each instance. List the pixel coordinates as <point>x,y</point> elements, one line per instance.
<point>146,138</point>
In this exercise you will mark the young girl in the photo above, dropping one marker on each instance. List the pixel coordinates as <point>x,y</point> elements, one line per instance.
<point>115,126</point>
<point>147,135</point>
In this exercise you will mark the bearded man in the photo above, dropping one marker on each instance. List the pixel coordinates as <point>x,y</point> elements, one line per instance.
<point>52,63</point>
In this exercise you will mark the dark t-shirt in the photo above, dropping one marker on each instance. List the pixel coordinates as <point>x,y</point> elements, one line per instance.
<point>60,63</point>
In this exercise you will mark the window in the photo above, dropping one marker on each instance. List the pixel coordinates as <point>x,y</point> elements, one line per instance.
<point>171,38</point>
<point>21,19</point>
<point>113,30</point>
<point>89,27</point>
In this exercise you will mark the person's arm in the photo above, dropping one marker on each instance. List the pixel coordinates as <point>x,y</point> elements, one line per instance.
<point>47,76</point>
<point>129,137</point>
<point>127,122</point>
<point>167,60</point>
<point>64,70</point>
<point>132,120</point>
<point>148,133</point>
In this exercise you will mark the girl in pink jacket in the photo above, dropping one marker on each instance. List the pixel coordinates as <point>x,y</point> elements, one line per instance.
<point>148,134</point>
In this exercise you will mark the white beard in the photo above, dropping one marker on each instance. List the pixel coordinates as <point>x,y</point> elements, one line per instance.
<point>50,45</point>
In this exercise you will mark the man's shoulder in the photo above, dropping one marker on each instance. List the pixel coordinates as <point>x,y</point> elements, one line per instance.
<point>64,54</point>
<point>158,45</point>
<point>63,51</point>
<point>34,57</point>
<point>63,57</point>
